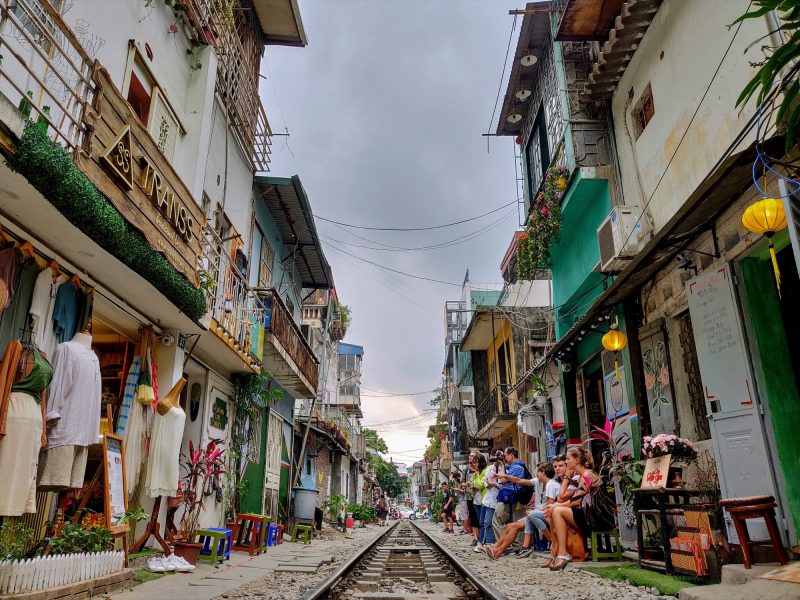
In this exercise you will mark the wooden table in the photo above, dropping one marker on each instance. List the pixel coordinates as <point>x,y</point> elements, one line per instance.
<point>663,502</point>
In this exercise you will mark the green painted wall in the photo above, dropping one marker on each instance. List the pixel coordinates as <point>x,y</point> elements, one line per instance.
<point>775,366</point>
<point>573,259</point>
<point>254,475</point>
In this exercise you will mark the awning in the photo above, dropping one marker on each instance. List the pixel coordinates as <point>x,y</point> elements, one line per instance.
<point>587,20</point>
<point>287,202</point>
<point>481,331</point>
<point>535,29</point>
<point>726,184</point>
<point>280,20</point>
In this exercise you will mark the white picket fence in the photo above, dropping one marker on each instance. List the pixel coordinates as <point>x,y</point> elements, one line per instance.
<point>34,574</point>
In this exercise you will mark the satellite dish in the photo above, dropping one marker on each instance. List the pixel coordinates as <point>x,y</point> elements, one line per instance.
<point>528,60</point>
<point>523,95</point>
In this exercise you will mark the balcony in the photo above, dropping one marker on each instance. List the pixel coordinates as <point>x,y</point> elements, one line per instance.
<point>45,72</point>
<point>238,316</point>
<point>497,411</point>
<point>238,48</point>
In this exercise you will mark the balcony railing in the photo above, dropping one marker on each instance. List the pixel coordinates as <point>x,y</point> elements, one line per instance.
<point>45,71</point>
<point>235,309</point>
<point>238,52</point>
<point>288,334</point>
<point>500,402</point>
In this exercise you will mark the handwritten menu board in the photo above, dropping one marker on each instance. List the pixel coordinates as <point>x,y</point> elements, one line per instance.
<point>116,497</point>
<point>721,353</point>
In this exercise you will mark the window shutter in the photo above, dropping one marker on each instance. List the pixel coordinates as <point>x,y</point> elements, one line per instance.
<point>163,125</point>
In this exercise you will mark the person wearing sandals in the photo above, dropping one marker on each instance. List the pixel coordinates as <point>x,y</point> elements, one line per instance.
<point>490,474</point>
<point>472,507</point>
<point>571,514</point>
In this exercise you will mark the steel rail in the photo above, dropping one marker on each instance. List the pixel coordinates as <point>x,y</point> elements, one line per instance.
<point>488,590</point>
<point>326,585</point>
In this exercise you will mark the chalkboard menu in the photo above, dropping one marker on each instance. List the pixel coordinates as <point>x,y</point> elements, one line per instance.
<point>116,497</point>
<point>721,352</point>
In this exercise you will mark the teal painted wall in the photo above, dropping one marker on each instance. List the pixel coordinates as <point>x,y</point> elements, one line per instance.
<point>777,374</point>
<point>573,258</point>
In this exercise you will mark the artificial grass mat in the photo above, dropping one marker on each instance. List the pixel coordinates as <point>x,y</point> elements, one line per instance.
<point>669,585</point>
<point>143,575</point>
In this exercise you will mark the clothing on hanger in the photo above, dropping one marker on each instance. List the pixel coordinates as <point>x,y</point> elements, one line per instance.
<point>8,264</point>
<point>14,319</point>
<point>41,312</point>
<point>65,311</point>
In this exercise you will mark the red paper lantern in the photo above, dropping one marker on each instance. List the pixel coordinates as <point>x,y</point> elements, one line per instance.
<point>518,139</point>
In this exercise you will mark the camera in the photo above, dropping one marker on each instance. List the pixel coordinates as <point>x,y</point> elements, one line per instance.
<point>167,339</point>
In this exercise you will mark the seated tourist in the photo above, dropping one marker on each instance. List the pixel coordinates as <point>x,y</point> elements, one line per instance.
<point>572,513</point>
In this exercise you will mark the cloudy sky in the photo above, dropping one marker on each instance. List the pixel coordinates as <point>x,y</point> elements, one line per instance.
<point>385,108</point>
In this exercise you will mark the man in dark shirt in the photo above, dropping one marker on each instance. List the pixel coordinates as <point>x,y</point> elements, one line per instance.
<point>448,509</point>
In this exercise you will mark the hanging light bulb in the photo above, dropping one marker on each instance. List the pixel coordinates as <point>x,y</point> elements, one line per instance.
<point>528,60</point>
<point>767,217</point>
<point>514,117</point>
<point>523,95</point>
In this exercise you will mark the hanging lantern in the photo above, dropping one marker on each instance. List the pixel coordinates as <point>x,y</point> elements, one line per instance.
<point>614,341</point>
<point>518,140</point>
<point>767,217</point>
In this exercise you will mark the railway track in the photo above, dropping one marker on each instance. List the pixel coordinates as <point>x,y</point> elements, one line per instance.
<point>405,563</point>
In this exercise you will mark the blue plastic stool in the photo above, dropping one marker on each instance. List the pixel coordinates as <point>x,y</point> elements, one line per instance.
<point>272,535</point>
<point>539,543</point>
<point>224,550</point>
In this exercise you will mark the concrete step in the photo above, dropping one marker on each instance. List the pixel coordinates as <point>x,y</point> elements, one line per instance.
<point>738,575</point>
<point>755,589</point>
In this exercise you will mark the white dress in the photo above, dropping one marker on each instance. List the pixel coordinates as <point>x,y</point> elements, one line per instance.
<point>163,469</point>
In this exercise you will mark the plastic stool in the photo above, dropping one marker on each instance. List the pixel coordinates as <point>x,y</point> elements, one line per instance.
<point>302,533</point>
<point>281,529</point>
<point>539,543</point>
<point>755,507</point>
<point>606,536</point>
<point>228,539</point>
<point>272,535</point>
<point>214,543</point>
<point>249,534</point>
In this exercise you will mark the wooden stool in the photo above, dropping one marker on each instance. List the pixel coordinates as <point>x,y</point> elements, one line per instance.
<point>216,544</point>
<point>755,507</point>
<point>249,533</point>
<point>303,531</point>
<point>606,537</point>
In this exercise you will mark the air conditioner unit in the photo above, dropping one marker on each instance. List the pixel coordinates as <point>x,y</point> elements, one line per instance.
<point>620,236</point>
<point>467,396</point>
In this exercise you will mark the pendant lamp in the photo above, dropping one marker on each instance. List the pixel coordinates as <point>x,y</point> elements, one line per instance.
<point>767,217</point>
<point>614,341</point>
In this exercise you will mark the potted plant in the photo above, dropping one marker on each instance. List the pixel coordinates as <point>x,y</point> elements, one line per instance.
<point>335,505</point>
<point>358,514</point>
<point>681,450</point>
<point>539,389</point>
<point>199,466</point>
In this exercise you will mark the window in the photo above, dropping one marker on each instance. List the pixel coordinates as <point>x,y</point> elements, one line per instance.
<point>265,264</point>
<point>537,153</point>
<point>32,27</point>
<point>151,105</point>
<point>643,111</point>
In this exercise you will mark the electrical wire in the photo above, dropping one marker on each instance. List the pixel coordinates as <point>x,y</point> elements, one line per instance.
<point>428,228</point>
<point>503,74</point>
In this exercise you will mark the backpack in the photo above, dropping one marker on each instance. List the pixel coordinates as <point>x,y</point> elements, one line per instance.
<point>524,492</point>
<point>599,506</point>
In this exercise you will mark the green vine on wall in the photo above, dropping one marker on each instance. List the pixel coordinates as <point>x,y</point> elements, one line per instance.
<point>49,169</point>
<point>543,227</point>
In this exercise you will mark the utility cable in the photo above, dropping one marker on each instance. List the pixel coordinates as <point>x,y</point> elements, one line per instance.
<point>503,74</point>
<point>371,228</point>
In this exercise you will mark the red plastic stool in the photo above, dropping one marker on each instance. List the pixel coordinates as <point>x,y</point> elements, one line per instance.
<point>281,528</point>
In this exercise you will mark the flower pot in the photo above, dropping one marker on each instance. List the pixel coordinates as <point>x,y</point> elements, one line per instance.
<point>358,523</point>
<point>190,552</point>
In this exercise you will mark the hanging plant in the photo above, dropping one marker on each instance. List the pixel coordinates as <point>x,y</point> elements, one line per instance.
<point>543,227</point>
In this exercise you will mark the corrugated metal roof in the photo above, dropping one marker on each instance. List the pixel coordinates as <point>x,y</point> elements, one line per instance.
<point>350,349</point>
<point>288,204</point>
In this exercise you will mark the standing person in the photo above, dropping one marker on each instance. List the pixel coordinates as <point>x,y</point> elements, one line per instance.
<point>448,510</point>
<point>383,509</point>
<point>478,485</point>
<point>472,512</point>
<point>459,491</point>
<point>507,497</point>
<point>490,497</point>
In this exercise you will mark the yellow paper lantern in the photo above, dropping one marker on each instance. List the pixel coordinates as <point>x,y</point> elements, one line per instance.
<point>614,341</point>
<point>767,217</point>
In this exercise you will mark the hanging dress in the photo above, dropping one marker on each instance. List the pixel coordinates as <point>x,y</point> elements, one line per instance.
<point>163,464</point>
<point>20,446</point>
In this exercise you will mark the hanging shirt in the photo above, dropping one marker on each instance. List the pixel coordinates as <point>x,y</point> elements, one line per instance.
<point>75,397</point>
<point>42,304</point>
<point>8,264</point>
<point>65,311</point>
<point>14,320</point>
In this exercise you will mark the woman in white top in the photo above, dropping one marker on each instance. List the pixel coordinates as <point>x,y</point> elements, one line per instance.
<point>495,468</point>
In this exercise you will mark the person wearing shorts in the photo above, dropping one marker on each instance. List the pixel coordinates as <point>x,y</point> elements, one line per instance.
<point>448,509</point>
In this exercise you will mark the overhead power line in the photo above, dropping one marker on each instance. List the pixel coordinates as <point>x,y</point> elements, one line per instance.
<point>387,394</point>
<point>499,208</point>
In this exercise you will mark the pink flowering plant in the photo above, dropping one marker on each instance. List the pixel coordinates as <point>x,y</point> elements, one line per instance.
<point>667,443</point>
<point>543,227</point>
